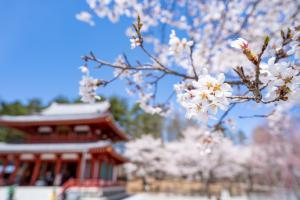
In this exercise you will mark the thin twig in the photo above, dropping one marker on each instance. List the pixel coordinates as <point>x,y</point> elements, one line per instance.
<point>257,116</point>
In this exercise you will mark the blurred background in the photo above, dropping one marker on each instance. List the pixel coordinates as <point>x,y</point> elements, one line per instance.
<point>120,150</point>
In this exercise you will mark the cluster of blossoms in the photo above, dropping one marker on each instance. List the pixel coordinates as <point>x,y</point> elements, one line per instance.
<point>205,96</point>
<point>145,105</point>
<point>179,47</point>
<point>281,78</point>
<point>88,86</point>
<point>279,121</point>
<point>284,81</point>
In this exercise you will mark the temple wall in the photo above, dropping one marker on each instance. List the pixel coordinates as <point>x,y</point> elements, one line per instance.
<point>54,169</point>
<point>26,193</point>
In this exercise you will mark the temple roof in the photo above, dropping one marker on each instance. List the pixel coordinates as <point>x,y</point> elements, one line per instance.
<point>59,147</point>
<point>64,112</point>
<point>41,117</point>
<point>71,109</point>
<point>93,147</point>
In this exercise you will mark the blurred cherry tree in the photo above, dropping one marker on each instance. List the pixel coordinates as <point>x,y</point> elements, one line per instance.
<point>270,161</point>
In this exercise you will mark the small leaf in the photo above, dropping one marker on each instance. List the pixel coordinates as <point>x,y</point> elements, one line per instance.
<point>267,40</point>
<point>282,34</point>
<point>135,28</point>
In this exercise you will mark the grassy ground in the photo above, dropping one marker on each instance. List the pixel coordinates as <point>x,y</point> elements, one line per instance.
<point>144,196</point>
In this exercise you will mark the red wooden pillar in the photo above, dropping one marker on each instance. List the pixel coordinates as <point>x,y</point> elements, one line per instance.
<point>4,164</point>
<point>79,166</point>
<point>100,161</point>
<point>17,166</point>
<point>108,170</point>
<point>93,162</point>
<point>57,170</point>
<point>36,170</point>
<point>114,171</point>
<point>97,168</point>
<point>58,164</point>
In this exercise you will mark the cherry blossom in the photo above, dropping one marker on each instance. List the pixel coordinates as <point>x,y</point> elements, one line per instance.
<point>206,96</point>
<point>179,47</point>
<point>284,80</point>
<point>239,43</point>
<point>144,104</point>
<point>134,42</point>
<point>84,69</point>
<point>85,17</point>
<point>88,86</point>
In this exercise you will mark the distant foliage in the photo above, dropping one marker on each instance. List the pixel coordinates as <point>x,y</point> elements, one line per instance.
<point>17,108</point>
<point>134,120</point>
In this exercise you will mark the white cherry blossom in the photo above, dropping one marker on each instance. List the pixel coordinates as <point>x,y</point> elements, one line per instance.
<point>88,86</point>
<point>239,43</point>
<point>134,42</point>
<point>205,96</point>
<point>179,47</point>
<point>85,17</point>
<point>84,69</point>
<point>284,80</point>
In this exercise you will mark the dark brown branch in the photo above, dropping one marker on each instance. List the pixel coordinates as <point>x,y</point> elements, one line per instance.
<point>164,68</point>
<point>105,83</point>
<point>234,82</point>
<point>242,97</point>
<point>251,85</point>
<point>218,126</point>
<point>273,100</point>
<point>192,63</point>
<point>257,116</point>
<point>140,67</point>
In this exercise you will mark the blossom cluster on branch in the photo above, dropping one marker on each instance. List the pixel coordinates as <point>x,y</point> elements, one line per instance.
<point>205,96</point>
<point>88,86</point>
<point>214,71</point>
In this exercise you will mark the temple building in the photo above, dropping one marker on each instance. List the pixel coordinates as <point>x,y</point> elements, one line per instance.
<point>61,142</point>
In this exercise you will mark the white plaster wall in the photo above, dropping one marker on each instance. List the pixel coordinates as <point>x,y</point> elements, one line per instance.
<point>28,193</point>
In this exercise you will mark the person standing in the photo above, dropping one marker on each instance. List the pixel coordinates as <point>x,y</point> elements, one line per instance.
<point>11,192</point>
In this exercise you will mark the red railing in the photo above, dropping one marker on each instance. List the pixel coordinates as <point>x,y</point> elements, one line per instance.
<point>90,183</point>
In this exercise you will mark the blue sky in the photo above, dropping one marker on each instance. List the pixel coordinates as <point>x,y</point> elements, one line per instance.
<point>40,47</point>
<point>41,43</point>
